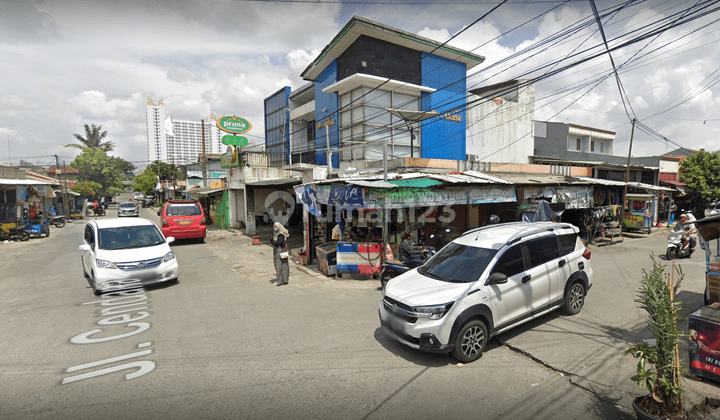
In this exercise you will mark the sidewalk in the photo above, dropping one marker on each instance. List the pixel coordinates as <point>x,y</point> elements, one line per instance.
<point>255,262</point>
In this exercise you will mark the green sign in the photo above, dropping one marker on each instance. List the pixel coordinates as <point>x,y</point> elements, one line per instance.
<point>234,141</point>
<point>234,124</point>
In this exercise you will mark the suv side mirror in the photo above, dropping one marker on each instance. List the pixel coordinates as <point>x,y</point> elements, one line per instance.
<point>497,278</point>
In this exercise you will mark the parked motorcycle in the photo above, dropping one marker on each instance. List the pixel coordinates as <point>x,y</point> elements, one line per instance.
<point>675,247</point>
<point>38,227</point>
<point>57,221</point>
<point>14,234</point>
<point>393,268</point>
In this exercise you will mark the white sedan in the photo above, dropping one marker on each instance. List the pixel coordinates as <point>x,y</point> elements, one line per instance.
<point>126,253</point>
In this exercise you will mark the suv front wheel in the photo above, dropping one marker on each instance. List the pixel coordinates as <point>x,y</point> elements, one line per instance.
<point>574,299</point>
<point>470,342</point>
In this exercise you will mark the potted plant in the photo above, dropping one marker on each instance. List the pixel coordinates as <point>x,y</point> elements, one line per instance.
<point>658,367</point>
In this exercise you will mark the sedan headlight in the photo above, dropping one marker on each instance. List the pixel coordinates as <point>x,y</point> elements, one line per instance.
<point>105,264</point>
<point>433,311</point>
<point>169,256</point>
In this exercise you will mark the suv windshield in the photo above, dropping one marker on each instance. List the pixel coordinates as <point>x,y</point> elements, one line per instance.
<point>458,263</point>
<point>129,237</point>
<point>185,209</point>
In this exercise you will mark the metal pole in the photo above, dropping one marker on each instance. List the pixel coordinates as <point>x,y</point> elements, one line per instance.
<point>204,156</point>
<point>627,176</point>
<point>65,194</point>
<point>327,141</point>
<point>411,141</point>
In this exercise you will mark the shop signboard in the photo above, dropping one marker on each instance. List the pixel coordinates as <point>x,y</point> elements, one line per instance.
<point>346,196</point>
<point>236,141</point>
<point>234,124</point>
<point>229,158</point>
<point>419,197</point>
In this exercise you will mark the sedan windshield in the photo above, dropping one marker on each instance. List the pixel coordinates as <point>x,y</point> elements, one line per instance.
<point>127,205</point>
<point>458,263</point>
<point>130,237</point>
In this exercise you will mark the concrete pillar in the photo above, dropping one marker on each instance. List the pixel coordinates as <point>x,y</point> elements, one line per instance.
<point>250,204</point>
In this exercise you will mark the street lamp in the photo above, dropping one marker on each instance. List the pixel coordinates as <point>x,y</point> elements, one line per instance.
<point>410,117</point>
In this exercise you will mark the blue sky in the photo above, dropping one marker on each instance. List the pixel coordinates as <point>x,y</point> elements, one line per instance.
<point>70,62</point>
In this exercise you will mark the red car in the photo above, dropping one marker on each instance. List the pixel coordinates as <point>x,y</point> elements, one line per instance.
<point>183,220</point>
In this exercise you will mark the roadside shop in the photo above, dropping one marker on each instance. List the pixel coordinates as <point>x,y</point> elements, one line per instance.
<point>350,222</point>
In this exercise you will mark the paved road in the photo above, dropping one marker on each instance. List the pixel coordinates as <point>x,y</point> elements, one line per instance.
<point>224,344</point>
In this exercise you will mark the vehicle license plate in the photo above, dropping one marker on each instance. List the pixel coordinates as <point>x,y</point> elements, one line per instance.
<point>184,222</point>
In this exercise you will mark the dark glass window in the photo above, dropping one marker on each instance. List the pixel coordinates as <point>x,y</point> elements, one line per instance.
<point>543,250</point>
<point>457,263</point>
<point>511,262</point>
<point>567,243</point>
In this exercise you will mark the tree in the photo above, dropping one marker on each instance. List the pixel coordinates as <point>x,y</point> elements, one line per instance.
<point>94,165</point>
<point>93,139</point>
<point>146,181</point>
<point>88,189</point>
<point>701,173</point>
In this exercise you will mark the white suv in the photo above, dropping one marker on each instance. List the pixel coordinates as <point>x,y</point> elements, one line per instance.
<point>485,282</point>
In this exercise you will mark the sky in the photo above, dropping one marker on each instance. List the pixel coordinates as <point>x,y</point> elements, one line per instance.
<point>66,63</point>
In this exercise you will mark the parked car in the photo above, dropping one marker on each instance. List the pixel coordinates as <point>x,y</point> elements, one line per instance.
<point>183,219</point>
<point>485,282</point>
<point>128,209</point>
<point>149,201</point>
<point>120,253</point>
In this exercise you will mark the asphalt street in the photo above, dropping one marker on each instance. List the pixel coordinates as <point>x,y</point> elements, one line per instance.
<point>224,343</point>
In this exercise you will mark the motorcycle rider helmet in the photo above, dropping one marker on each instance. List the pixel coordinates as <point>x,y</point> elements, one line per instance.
<point>494,219</point>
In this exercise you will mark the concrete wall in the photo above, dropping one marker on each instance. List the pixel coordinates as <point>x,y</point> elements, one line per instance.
<point>501,130</point>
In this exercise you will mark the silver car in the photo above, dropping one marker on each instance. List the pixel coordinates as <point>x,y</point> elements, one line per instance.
<point>128,209</point>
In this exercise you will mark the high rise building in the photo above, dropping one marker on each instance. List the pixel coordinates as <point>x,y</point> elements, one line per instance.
<point>183,143</point>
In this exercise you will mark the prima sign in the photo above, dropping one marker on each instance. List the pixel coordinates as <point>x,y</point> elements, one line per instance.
<point>234,124</point>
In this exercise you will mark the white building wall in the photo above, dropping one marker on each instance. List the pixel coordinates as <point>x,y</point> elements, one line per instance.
<point>156,140</point>
<point>669,166</point>
<point>501,130</point>
<point>186,145</point>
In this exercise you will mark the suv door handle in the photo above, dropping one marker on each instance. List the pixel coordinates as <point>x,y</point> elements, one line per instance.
<point>526,279</point>
<point>561,263</point>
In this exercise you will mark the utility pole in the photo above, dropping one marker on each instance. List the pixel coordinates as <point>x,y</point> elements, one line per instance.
<point>204,156</point>
<point>65,193</point>
<point>627,178</point>
<point>173,175</point>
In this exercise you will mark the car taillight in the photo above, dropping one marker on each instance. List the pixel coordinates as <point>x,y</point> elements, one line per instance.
<point>164,222</point>
<point>203,222</point>
<point>586,254</point>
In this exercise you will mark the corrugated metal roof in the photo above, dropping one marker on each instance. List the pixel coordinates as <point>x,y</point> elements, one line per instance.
<point>601,181</point>
<point>10,181</point>
<point>371,184</point>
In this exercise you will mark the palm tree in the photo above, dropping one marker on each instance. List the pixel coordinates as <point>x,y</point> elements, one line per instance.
<point>93,139</point>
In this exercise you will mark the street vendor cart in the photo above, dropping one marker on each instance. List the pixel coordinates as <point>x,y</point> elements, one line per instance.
<point>704,324</point>
<point>638,211</point>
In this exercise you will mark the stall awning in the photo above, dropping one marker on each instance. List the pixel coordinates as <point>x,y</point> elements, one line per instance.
<point>205,191</point>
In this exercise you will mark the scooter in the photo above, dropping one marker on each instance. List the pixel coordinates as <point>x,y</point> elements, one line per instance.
<point>675,247</point>
<point>393,268</point>
<point>16,233</point>
<point>57,221</point>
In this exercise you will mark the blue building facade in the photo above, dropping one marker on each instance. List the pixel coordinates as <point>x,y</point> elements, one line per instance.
<point>367,69</point>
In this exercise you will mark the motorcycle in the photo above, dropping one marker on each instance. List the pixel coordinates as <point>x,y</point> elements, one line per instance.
<point>675,247</point>
<point>16,233</point>
<point>38,227</point>
<point>57,221</point>
<point>393,268</point>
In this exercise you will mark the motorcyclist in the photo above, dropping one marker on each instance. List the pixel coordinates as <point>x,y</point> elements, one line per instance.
<point>409,254</point>
<point>688,228</point>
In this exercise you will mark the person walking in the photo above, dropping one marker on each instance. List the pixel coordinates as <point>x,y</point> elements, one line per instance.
<point>279,244</point>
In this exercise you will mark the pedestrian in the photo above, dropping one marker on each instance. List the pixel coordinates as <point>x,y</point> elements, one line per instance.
<point>280,254</point>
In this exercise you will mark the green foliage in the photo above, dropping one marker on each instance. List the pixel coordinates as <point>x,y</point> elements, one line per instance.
<point>701,173</point>
<point>114,190</point>
<point>94,165</point>
<point>658,367</point>
<point>146,181</point>
<point>88,189</point>
<point>93,139</point>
